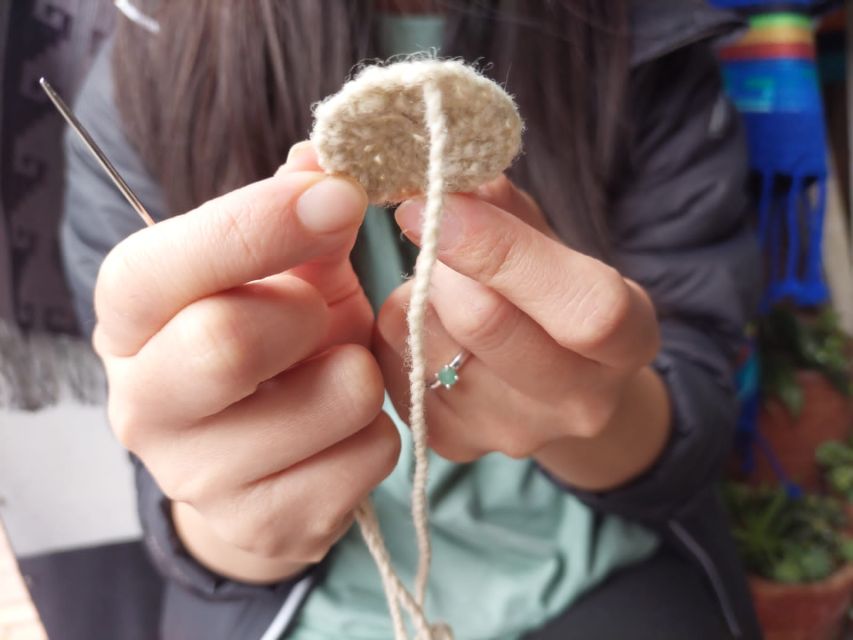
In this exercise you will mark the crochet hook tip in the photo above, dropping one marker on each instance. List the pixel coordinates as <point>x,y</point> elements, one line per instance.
<point>95,150</point>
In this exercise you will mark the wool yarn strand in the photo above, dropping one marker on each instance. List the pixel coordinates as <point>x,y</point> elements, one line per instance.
<point>416,314</point>
<point>431,127</point>
<point>415,317</point>
<point>395,593</point>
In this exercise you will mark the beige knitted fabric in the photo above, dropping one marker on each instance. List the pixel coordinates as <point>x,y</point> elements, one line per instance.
<point>374,129</point>
<point>419,127</point>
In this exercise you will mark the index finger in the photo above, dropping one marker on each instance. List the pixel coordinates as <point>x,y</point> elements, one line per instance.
<point>259,230</point>
<point>581,302</point>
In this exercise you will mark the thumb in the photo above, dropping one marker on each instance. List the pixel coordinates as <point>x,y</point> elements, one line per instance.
<point>333,275</point>
<point>502,193</point>
<point>301,157</point>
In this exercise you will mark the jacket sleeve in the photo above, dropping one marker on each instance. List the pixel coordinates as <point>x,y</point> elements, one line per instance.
<point>681,228</point>
<point>96,218</point>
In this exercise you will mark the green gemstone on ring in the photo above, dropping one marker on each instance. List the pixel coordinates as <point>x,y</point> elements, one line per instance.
<point>448,376</point>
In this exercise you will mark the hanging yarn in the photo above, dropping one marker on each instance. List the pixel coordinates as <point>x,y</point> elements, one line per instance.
<point>771,76</point>
<point>420,127</point>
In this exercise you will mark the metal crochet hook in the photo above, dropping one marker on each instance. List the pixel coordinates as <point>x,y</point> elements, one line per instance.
<point>102,159</point>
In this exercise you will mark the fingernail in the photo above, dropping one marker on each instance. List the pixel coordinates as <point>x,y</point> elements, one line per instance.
<point>497,189</point>
<point>331,205</point>
<point>409,217</point>
<point>299,157</point>
<point>297,150</point>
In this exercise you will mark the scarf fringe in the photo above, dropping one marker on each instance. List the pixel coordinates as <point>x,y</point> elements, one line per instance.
<point>40,370</point>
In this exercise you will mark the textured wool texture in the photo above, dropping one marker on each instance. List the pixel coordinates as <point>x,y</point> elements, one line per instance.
<point>411,128</point>
<point>375,130</point>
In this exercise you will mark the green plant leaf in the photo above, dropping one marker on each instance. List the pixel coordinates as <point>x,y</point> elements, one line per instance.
<point>833,453</point>
<point>785,539</point>
<point>841,480</point>
<point>845,549</point>
<point>787,571</point>
<point>811,350</point>
<point>790,339</point>
<point>791,394</point>
<point>816,563</point>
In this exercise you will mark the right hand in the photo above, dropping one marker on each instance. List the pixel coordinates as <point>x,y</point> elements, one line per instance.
<point>235,343</point>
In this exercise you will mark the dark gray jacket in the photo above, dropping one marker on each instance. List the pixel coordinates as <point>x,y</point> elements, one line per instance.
<point>681,224</point>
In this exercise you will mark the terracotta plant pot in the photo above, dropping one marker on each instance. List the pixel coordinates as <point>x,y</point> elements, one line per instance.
<point>848,509</point>
<point>826,415</point>
<point>812,611</point>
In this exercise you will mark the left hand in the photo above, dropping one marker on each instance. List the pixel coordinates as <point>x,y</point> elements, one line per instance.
<point>556,338</point>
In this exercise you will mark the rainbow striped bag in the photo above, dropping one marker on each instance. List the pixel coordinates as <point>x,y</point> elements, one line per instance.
<point>771,75</point>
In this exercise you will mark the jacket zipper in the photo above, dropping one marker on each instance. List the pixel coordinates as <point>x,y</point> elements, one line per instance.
<point>289,607</point>
<point>704,560</point>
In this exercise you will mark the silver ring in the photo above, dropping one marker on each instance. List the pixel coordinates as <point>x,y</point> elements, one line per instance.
<point>448,375</point>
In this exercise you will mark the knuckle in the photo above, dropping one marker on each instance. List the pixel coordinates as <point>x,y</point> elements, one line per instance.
<point>307,304</point>
<point>359,382</point>
<point>650,343</point>
<point>249,526</point>
<point>259,535</point>
<point>223,343</point>
<point>123,271</point>
<point>236,225</point>
<point>391,320</point>
<point>651,347</point>
<point>322,529</point>
<point>194,485</point>
<point>314,551</point>
<point>488,321</point>
<point>99,341</point>
<point>601,313</point>
<point>591,418</point>
<point>125,422</point>
<point>387,446</point>
<point>267,542</point>
<point>126,405</point>
<point>112,277</point>
<point>447,441</point>
<point>515,444</point>
<point>495,257</point>
<point>314,546</point>
<point>307,299</point>
<point>177,484</point>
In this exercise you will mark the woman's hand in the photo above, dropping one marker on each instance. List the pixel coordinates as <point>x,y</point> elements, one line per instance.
<point>235,342</point>
<point>559,344</point>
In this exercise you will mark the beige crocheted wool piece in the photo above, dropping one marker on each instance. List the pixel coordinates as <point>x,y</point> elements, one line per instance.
<point>418,127</point>
<point>374,129</point>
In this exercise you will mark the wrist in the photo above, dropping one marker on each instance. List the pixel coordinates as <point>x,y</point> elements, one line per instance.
<point>628,445</point>
<point>223,558</point>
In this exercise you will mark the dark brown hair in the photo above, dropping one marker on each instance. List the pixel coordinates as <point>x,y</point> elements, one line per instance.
<point>215,100</point>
